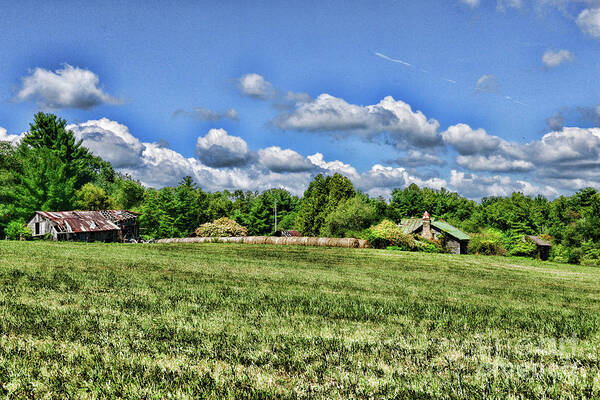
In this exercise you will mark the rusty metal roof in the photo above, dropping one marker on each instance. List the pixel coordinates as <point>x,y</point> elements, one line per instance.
<point>87,221</point>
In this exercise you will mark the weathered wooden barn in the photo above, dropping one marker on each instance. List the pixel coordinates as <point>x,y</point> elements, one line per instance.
<point>455,240</point>
<point>86,226</point>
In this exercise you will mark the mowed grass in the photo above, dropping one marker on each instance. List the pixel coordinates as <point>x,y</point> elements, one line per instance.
<point>257,321</point>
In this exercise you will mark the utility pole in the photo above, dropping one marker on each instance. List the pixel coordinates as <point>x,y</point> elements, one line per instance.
<point>275,214</point>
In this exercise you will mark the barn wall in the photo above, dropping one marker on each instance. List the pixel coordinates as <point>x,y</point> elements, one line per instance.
<point>45,226</point>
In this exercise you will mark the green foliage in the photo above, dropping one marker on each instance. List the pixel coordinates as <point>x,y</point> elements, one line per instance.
<point>91,197</point>
<point>524,247</point>
<point>388,233</point>
<point>17,230</point>
<point>322,197</point>
<point>260,219</point>
<point>223,227</point>
<point>564,254</point>
<point>351,215</point>
<point>420,244</point>
<point>590,253</point>
<point>129,193</point>
<point>489,242</point>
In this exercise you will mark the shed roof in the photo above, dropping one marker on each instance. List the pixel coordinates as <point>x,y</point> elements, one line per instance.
<point>411,225</point>
<point>539,241</point>
<point>87,221</point>
<point>451,230</point>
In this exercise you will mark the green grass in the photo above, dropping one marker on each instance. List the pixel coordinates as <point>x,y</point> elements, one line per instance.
<point>250,321</point>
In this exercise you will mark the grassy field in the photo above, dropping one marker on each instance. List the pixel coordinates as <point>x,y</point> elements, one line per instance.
<point>253,321</point>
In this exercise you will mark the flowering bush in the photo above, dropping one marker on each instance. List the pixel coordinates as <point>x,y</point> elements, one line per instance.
<point>489,243</point>
<point>221,228</point>
<point>387,233</point>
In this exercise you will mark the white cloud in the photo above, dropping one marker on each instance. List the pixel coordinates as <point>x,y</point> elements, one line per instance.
<point>589,22</point>
<point>487,83</point>
<point>567,159</point>
<point>554,58</point>
<point>204,114</point>
<point>69,87</point>
<point>6,137</point>
<point>502,5</point>
<point>416,158</point>
<point>495,163</point>
<point>568,145</point>
<point>478,186</point>
<point>334,166</point>
<point>470,3</point>
<point>255,85</point>
<point>218,149</point>
<point>467,140</point>
<point>110,140</point>
<point>334,115</point>
<point>278,160</point>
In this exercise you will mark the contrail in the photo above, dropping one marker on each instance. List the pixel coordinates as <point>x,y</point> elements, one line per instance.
<point>378,54</point>
<point>393,59</point>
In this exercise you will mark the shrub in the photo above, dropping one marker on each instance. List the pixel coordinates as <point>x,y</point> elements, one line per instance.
<point>524,247</point>
<point>221,227</point>
<point>387,233</point>
<point>591,254</point>
<point>565,254</point>
<point>350,215</point>
<point>17,230</point>
<point>488,242</point>
<point>428,246</point>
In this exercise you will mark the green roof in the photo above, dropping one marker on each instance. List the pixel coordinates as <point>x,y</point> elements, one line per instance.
<point>409,225</point>
<point>451,230</point>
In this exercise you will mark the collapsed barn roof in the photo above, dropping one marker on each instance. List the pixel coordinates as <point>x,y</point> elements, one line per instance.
<point>88,221</point>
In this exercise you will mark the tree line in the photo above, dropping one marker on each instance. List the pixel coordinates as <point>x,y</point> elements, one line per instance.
<point>50,170</point>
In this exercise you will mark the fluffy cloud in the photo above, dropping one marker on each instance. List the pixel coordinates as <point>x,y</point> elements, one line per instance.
<point>69,87</point>
<point>416,158</point>
<point>204,114</point>
<point>477,186</point>
<point>487,83</point>
<point>553,59</point>
<point>570,153</point>
<point>380,180</point>
<point>589,22</point>
<point>218,149</point>
<point>110,140</point>
<point>502,5</point>
<point>571,144</point>
<point>277,159</point>
<point>470,141</point>
<point>254,85</point>
<point>495,163</point>
<point>567,159</point>
<point>6,137</point>
<point>471,3</point>
<point>334,115</point>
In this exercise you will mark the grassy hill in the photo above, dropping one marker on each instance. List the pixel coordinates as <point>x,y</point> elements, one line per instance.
<point>226,320</point>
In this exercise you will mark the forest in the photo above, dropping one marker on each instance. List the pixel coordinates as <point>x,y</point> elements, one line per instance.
<point>50,170</point>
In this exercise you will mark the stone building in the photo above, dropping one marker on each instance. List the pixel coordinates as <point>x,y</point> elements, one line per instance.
<point>455,240</point>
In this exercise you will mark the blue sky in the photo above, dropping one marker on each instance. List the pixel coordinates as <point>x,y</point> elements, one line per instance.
<point>487,97</point>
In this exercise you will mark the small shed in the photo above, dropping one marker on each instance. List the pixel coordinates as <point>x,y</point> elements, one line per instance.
<point>543,247</point>
<point>456,240</point>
